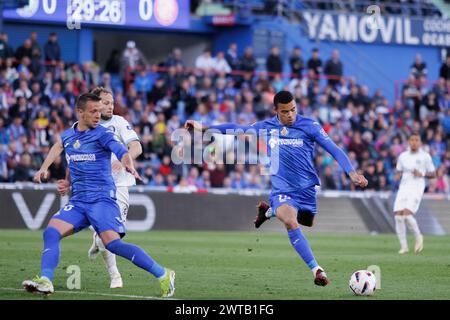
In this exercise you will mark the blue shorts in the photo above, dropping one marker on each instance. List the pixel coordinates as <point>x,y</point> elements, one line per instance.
<point>303,201</point>
<point>102,215</point>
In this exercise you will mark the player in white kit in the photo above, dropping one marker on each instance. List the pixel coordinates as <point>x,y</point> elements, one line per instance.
<point>123,180</point>
<point>413,165</point>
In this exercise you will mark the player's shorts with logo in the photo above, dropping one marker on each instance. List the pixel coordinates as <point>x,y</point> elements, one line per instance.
<point>408,198</point>
<point>103,215</point>
<point>304,200</point>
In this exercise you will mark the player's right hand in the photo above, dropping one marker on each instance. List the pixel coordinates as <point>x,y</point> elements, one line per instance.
<point>40,176</point>
<point>192,124</point>
<point>63,187</point>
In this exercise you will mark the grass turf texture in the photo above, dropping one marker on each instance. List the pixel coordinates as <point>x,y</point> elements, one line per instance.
<point>234,265</point>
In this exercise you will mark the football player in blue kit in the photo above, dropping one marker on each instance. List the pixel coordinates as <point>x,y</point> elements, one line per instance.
<point>88,148</point>
<point>294,179</point>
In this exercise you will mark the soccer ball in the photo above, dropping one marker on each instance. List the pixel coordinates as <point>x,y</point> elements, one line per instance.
<point>363,283</point>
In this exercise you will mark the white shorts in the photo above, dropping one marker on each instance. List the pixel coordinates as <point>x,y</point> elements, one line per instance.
<point>123,201</point>
<point>408,199</point>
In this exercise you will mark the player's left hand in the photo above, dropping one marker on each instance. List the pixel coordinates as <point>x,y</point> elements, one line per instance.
<point>63,187</point>
<point>359,179</point>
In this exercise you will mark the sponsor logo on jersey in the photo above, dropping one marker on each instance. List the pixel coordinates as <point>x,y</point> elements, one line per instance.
<point>297,143</point>
<point>82,157</point>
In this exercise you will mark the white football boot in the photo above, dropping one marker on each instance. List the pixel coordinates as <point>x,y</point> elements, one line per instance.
<point>39,285</point>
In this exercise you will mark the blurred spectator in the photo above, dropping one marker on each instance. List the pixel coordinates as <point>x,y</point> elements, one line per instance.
<point>132,59</point>
<point>297,64</point>
<point>232,57</point>
<point>315,63</point>
<point>334,69</point>
<point>248,62</point>
<point>52,50</point>
<point>220,64</point>
<point>175,58</point>
<point>24,50</point>
<point>328,181</point>
<point>273,62</point>
<point>444,71</point>
<point>6,51</point>
<point>419,68</point>
<point>218,175</point>
<point>205,63</point>
<point>184,187</point>
<point>23,172</point>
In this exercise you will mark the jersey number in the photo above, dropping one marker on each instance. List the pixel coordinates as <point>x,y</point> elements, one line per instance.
<point>68,207</point>
<point>283,198</point>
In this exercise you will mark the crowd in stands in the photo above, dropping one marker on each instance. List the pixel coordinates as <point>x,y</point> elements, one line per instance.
<point>38,92</point>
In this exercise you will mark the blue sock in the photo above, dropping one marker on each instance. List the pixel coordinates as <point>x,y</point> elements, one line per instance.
<point>302,247</point>
<point>50,255</point>
<point>136,255</point>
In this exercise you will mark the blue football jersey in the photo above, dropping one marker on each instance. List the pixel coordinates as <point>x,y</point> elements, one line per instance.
<point>88,155</point>
<point>291,151</point>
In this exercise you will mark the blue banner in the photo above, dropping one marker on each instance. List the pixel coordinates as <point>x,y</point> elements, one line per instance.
<point>377,28</point>
<point>166,14</point>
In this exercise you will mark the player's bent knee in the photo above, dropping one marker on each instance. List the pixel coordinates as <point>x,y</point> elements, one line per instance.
<point>108,237</point>
<point>64,228</point>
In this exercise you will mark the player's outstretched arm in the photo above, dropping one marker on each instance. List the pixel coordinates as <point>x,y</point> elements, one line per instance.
<point>134,149</point>
<point>325,142</point>
<point>225,128</point>
<point>110,143</point>
<point>194,125</point>
<point>53,154</point>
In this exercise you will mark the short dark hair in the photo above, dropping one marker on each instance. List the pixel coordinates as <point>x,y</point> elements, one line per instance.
<point>282,97</point>
<point>99,90</point>
<point>415,133</point>
<point>83,99</point>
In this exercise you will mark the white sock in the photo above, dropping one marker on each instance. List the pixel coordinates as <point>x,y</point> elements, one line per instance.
<point>110,262</point>
<point>400,228</point>
<point>413,226</point>
<point>269,212</point>
<point>99,243</point>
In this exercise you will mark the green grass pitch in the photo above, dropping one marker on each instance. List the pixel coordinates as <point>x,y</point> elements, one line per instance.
<point>234,265</point>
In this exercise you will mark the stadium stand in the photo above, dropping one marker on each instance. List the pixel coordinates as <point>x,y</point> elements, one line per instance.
<point>38,90</point>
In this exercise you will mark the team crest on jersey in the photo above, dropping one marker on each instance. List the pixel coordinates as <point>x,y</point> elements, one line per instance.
<point>77,144</point>
<point>112,128</point>
<point>284,131</point>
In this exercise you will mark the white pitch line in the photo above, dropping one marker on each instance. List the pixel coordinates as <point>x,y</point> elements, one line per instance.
<point>98,294</point>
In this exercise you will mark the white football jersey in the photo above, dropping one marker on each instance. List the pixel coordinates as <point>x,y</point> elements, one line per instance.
<point>408,162</point>
<point>125,134</point>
